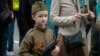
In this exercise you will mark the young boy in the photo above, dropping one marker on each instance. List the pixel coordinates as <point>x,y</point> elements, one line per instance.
<point>40,36</point>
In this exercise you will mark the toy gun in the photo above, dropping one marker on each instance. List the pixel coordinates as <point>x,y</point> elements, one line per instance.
<point>47,50</point>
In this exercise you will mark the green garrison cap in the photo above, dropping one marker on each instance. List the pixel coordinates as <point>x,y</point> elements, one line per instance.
<point>38,6</point>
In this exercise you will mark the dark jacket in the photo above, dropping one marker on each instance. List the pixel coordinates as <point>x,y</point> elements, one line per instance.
<point>5,14</point>
<point>24,19</point>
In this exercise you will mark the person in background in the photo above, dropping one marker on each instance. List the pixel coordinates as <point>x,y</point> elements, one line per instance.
<point>95,39</point>
<point>24,20</point>
<point>50,25</point>
<point>10,31</point>
<point>23,16</point>
<point>67,16</point>
<point>5,18</point>
<point>90,27</point>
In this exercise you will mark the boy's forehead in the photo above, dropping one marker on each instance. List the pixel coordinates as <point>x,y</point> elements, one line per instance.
<point>42,12</point>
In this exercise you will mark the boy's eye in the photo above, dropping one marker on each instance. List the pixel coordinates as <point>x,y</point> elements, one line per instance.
<point>45,15</point>
<point>42,16</point>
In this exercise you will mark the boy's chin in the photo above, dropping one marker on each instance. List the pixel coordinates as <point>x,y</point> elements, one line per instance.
<point>43,26</point>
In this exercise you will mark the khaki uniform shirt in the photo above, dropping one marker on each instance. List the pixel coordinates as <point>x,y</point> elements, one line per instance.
<point>33,37</point>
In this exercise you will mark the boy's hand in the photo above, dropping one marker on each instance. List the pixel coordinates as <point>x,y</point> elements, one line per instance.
<point>55,52</point>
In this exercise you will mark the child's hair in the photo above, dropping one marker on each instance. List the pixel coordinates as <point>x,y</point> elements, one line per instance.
<point>38,6</point>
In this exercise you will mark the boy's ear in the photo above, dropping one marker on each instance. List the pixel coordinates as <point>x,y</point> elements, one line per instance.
<point>33,17</point>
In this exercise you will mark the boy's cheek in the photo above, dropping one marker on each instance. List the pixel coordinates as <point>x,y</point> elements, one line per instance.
<point>46,20</point>
<point>38,20</point>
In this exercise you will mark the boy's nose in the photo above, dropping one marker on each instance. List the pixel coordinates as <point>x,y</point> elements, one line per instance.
<point>43,18</point>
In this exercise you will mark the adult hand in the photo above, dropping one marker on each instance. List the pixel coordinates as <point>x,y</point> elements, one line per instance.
<point>91,16</point>
<point>77,16</point>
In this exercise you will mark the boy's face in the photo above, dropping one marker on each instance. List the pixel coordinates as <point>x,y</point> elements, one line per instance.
<point>41,18</point>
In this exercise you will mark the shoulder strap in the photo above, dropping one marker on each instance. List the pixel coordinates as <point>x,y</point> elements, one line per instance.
<point>77,5</point>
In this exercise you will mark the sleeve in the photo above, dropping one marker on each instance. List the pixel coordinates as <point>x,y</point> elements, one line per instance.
<point>26,45</point>
<point>55,12</point>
